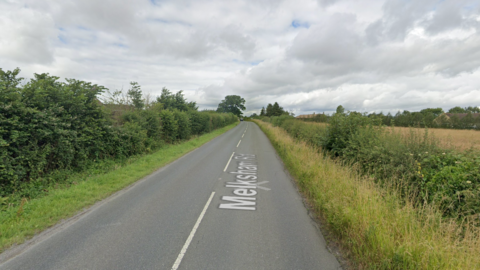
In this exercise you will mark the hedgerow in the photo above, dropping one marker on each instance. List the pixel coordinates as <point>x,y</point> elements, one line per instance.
<point>415,164</point>
<point>49,128</point>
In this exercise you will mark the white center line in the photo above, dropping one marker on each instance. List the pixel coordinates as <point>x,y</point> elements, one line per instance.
<point>192,233</point>
<point>243,135</point>
<point>229,161</point>
<point>239,143</point>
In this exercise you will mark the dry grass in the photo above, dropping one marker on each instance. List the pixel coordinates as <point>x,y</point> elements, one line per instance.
<point>449,138</point>
<point>456,139</point>
<point>373,224</point>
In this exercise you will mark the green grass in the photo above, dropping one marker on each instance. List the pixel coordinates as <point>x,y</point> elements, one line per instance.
<point>21,222</point>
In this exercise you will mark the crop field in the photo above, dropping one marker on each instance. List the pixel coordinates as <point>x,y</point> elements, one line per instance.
<point>457,139</point>
<point>454,139</point>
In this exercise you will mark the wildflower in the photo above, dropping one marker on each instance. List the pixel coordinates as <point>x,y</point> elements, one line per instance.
<point>469,182</point>
<point>457,162</point>
<point>443,153</point>
<point>426,152</point>
<point>411,154</point>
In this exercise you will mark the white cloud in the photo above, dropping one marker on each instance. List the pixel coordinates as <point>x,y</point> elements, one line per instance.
<point>308,55</point>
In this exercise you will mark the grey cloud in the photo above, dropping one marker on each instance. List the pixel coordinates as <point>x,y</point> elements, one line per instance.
<point>330,43</point>
<point>29,40</point>
<point>446,17</point>
<point>399,17</point>
<point>363,58</point>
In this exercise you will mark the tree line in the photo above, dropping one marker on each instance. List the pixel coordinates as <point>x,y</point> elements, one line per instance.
<point>272,110</point>
<point>456,118</point>
<point>47,125</point>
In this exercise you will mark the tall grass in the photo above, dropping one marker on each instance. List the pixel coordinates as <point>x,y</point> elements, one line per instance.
<point>378,229</point>
<point>414,160</point>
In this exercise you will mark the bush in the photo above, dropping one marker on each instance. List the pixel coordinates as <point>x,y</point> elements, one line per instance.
<point>278,120</point>
<point>413,163</point>
<point>183,125</point>
<point>169,126</point>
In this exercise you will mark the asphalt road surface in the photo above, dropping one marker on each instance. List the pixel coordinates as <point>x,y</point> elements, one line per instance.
<point>227,205</point>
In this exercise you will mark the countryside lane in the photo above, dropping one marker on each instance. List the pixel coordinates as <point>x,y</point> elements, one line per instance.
<point>196,213</point>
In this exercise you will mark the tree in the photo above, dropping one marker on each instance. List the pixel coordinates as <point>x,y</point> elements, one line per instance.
<point>269,110</point>
<point>262,112</point>
<point>436,111</point>
<point>457,109</point>
<point>277,110</point>
<point>135,94</point>
<point>340,109</point>
<point>472,109</point>
<point>176,101</point>
<point>232,104</point>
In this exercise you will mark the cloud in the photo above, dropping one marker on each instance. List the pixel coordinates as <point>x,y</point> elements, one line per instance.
<point>308,55</point>
<point>28,40</point>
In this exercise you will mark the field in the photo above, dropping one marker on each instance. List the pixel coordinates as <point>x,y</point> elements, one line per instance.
<point>456,139</point>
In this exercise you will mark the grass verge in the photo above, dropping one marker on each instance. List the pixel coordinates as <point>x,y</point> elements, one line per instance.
<point>19,223</point>
<point>376,228</point>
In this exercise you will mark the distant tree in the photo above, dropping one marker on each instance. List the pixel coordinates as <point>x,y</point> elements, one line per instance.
<point>473,109</point>
<point>262,111</point>
<point>436,111</point>
<point>269,110</point>
<point>340,109</point>
<point>277,110</point>
<point>253,115</point>
<point>232,104</point>
<point>457,109</point>
<point>176,101</point>
<point>135,95</point>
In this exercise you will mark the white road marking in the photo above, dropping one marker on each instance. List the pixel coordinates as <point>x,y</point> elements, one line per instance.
<point>192,233</point>
<point>243,135</point>
<point>239,143</point>
<point>229,161</point>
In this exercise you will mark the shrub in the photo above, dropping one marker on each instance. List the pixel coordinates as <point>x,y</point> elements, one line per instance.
<point>169,126</point>
<point>183,125</point>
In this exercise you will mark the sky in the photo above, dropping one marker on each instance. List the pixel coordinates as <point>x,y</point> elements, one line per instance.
<point>307,55</point>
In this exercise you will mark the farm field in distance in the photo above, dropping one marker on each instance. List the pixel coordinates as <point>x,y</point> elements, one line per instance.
<point>458,139</point>
<point>455,139</point>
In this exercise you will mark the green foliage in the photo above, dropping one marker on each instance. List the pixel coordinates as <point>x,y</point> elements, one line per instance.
<point>451,180</point>
<point>232,104</point>
<point>169,126</point>
<point>434,118</point>
<point>278,120</point>
<point>177,101</point>
<point>262,111</point>
<point>135,94</point>
<point>184,130</point>
<point>341,129</point>
<point>457,110</point>
<point>340,109</point>
<point>48,127</point>
<point>414,164</point>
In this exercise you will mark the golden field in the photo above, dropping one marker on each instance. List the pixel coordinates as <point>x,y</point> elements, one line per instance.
<point>457,139</point>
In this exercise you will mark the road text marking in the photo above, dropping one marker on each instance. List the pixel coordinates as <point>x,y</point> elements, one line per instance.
<point>245,185</point>
<point>229,161</point>
<point>192,233</point>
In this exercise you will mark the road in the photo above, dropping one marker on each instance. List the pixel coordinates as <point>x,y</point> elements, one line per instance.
<point>227,205</point>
